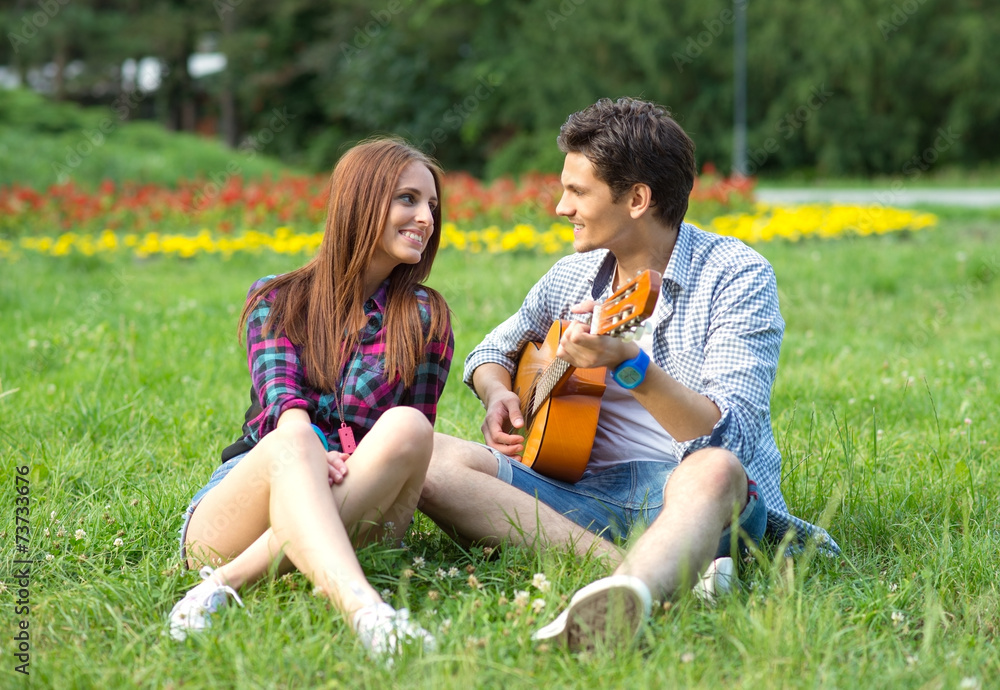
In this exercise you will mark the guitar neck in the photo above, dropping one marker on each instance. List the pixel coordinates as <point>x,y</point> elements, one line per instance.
<point>548,380</point>
<point>618,316</point>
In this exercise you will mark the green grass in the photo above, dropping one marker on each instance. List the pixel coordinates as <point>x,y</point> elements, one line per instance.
<point>121,381</point>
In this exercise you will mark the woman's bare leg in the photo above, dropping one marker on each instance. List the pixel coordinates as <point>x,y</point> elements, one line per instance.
<point>277,501</point>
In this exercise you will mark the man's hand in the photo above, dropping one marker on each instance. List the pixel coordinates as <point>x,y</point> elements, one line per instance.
<point>503,416</point>
<point>585,351</point>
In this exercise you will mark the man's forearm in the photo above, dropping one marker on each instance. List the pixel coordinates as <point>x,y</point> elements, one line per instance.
<point>489,378</point>
<point>684,413</point>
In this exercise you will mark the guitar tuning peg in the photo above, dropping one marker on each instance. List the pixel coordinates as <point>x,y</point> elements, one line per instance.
<point>628,336</point>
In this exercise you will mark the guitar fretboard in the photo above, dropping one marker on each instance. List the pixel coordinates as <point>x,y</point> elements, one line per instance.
<point>547,381</point>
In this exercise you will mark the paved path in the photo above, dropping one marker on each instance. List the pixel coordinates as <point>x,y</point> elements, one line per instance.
<point>972,197</point>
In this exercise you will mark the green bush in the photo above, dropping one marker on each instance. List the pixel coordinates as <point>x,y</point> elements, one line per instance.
<point>44,143</point>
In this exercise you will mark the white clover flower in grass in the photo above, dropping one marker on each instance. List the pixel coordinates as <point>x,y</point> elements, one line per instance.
<point>441,574</point>
<point>473,582</point>
<point>898,617</point>
<point>418,562</point>
<point>537,605</point>
<point>49,557</point>
<point>52,515</point>
<point>61,532</point>
<point>119,542</point>
<point>453,572</point>
<point>521,598</point>
<point>45,531</point>
<point>687,657</point>
<point>385,594</point>
<point>541,583</point>
<point>79,534</point>
<point>969,684</point>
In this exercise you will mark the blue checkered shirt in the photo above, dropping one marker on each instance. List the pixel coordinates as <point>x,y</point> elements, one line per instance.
<point>718,332</point>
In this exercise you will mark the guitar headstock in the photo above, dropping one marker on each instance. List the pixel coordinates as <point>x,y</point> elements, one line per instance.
<point>628,307</point>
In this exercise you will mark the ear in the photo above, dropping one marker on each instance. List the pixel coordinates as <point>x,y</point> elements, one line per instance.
<point>640,199</point>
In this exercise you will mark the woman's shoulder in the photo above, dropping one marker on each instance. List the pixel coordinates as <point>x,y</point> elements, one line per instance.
<point>260,282</point>
<point>429,300</point>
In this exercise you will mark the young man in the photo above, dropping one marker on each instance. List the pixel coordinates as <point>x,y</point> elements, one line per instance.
<point>684,437</point>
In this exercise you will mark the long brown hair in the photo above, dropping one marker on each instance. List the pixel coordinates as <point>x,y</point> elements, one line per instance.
<point>320,306</point>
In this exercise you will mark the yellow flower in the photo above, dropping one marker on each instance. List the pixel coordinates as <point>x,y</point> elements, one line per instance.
<point>764,224</point>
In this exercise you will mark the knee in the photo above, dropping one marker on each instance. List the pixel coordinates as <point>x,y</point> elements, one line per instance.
<point>711,472</point>
<point>410,434</point>
<point>288,443</point>
<point>447,459</point>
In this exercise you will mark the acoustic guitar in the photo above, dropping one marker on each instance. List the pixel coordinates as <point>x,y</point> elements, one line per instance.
<point>561,403</point>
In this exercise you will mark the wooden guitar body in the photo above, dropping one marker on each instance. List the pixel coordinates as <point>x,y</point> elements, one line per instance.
<point>559,435</point>
<point>561,403</point>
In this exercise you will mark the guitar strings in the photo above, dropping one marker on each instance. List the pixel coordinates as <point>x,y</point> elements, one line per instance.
<point>530,395</point>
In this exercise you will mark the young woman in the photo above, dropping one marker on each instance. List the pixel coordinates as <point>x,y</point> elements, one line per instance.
<point>348,356</point>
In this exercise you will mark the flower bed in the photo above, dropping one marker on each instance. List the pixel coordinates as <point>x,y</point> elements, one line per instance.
<point>287,215</point>
<point>765,224</point>
<point>236,203</point>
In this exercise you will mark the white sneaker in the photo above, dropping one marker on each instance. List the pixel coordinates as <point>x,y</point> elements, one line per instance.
<point>608,612</point>
<point>192,613</point>
<point>720,578</point>
<point>385,631</point>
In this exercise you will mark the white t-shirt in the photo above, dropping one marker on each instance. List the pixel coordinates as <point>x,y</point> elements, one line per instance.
<point>625,430</point>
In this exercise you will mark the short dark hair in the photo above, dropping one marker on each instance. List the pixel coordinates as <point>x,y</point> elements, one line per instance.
<point>629,142</point>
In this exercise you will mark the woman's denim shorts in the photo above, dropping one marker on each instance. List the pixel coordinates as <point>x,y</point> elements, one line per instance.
<point>220,473</point>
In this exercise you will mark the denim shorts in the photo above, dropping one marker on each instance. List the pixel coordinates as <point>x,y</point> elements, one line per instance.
<point>610,503</point>
<point>220,473</point>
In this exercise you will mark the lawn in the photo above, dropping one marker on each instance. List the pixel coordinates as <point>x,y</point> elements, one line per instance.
<point>121,379</point>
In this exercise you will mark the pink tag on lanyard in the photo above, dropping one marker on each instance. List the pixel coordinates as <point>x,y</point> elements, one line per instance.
<point>347,443</point>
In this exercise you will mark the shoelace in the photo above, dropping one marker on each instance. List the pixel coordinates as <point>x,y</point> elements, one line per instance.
<point>209,605</point>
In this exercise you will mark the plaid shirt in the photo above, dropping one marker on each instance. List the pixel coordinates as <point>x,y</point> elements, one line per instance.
<point>278,378</point>
<point>718,331</point>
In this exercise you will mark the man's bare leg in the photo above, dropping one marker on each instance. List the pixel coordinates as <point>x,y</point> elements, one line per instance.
<point>698,504</point>
<point>464,497</point>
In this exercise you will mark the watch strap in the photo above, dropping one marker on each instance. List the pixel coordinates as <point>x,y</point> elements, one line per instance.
<point>638,364</point>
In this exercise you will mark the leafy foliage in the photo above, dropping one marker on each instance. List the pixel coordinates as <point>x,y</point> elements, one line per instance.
<point>890,87</point>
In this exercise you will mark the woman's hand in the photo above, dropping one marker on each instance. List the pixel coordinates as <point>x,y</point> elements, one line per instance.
<point>336,464</point>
